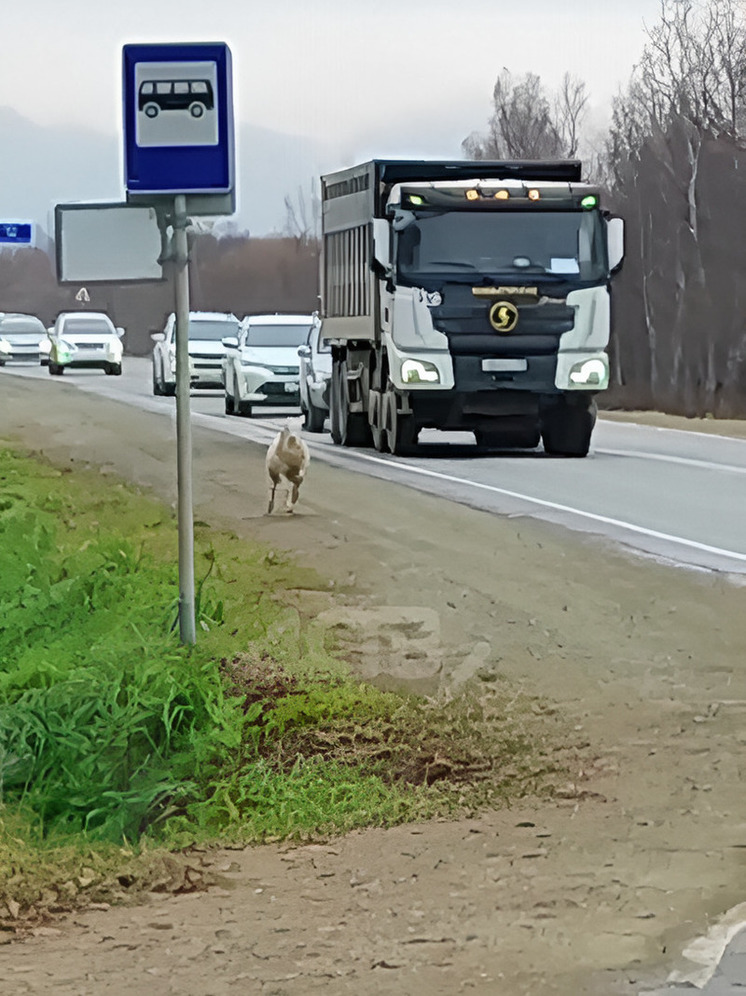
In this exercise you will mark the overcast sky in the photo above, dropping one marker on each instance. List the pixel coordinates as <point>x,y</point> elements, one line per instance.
<point>386,77</point>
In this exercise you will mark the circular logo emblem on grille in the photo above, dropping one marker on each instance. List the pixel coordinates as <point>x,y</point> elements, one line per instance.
<point>503,316</point>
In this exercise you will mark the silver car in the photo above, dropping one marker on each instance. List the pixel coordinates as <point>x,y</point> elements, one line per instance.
<point>315,377</point>
<point>85,339</point>
<point>261,366</point>
<point>25,337</point>
<point>207,329</point>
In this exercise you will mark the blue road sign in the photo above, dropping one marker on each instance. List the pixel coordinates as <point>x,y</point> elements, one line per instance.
<point>178,119</point>
<point>17,233</point>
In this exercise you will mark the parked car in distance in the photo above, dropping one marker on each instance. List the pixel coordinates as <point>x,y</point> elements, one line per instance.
<point>26,338</point>
<point>261,366</point>
<point>207,329</point>
<point>85,339</point>
<point>315,378</point>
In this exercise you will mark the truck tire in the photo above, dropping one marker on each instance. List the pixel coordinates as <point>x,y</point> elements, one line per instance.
<point>56,370</point>
<point>566,429</point>
<point>401,430</point>
<point>348,428</point>
<point>377,414</point>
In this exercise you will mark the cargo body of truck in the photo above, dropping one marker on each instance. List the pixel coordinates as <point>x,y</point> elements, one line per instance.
<point>466,296</point>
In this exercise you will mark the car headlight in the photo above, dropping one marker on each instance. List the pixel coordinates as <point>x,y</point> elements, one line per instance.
<point>419,371</point>
<point>44,346</point>
<point>5,347</point>
<point>593,373</point>
<point>65,349</point>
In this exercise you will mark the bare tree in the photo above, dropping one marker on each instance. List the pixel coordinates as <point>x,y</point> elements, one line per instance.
<point>522,125</point>
<point>303,216</point>
<point>570,105</point>
<point>693,65</point>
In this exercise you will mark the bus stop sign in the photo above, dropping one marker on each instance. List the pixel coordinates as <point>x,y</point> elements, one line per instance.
<point>178,119</point>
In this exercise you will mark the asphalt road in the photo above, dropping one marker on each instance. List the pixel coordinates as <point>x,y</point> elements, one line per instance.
<point>674,495</point>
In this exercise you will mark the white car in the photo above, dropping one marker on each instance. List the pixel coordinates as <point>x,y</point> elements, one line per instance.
<point>85,339</point>
<point>207,329</point>
<point>261,366</point>
<point>315,378</point>
<point>25,337</point>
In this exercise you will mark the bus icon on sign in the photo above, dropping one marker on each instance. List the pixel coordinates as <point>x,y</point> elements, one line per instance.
<point>195,96</point>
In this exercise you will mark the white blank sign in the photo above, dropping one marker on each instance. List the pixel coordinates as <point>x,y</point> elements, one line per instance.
<point>107,242</point>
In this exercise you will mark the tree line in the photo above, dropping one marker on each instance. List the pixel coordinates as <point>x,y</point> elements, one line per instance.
<point>672,162</point>
<point>674,165</point>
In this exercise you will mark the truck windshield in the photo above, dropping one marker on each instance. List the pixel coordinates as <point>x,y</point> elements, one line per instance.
<point>459,245</point>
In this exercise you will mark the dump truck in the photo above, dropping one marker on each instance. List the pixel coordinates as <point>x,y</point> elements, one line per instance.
<point>466,296</point>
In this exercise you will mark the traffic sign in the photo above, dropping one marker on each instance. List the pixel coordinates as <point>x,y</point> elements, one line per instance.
<point>16,233</point>
<point>178,119</point>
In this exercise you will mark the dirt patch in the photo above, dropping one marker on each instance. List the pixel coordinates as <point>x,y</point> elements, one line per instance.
<point>594,893</point>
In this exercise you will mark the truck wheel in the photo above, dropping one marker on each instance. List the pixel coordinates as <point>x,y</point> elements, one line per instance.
<point>377,413</point>
<point>348,428</point>
<point>56,370</point>
<point>401,431</point>
<point>313,418</point>
<point>566,429</point>
<point>113,369</point>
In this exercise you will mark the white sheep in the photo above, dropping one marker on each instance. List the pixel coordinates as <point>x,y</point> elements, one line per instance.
<point>287,457</point>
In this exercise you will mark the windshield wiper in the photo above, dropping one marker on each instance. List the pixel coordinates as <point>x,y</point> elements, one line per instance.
<point>452,262</point>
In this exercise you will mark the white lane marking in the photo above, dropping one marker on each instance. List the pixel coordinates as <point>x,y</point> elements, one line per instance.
<point>686,461</point>
<point>556,506</point>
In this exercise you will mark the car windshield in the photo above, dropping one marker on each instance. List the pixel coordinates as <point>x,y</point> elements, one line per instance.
<point>566,245</point>
<point>22,326</point>
<point>277,335</point>
<point>87,326</point>
<point>212,330</point>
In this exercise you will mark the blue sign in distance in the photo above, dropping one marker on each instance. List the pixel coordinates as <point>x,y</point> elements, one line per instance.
<point>15,233</point>
<point>178,119</point>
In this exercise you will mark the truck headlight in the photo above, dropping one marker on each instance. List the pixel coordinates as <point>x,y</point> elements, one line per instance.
<point>419,371</point>
<point>594,373</point>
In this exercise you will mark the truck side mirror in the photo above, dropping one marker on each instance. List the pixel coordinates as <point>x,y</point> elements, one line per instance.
<point>158,336</point>
<point>615,243</point>
<point>230,342</point>
<point>381,243</point>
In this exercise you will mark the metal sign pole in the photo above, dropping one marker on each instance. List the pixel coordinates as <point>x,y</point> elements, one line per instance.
<point>187,630</point>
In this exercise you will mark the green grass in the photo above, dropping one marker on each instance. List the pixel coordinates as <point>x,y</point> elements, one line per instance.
<point>114,738</point>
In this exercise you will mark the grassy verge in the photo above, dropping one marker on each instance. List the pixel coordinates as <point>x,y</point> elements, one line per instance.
<point>118,745</point>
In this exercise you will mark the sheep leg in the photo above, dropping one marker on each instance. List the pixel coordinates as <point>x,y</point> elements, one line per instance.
<point>274,481</point>
<point>292,497</point>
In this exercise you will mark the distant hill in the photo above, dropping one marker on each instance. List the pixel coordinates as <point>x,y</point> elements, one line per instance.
<point>42,166</point>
